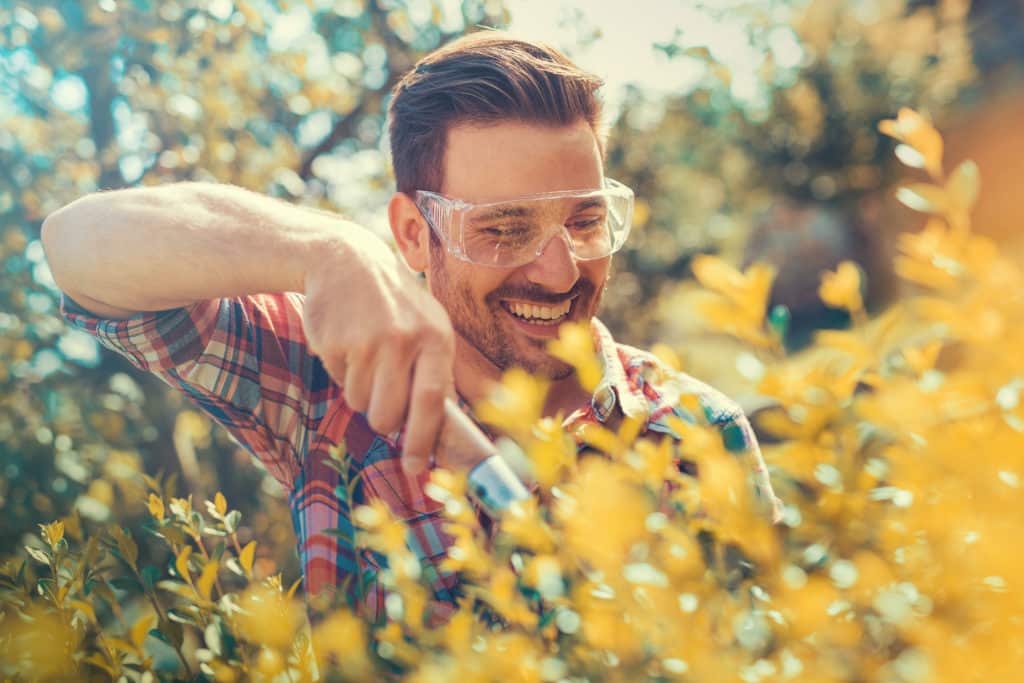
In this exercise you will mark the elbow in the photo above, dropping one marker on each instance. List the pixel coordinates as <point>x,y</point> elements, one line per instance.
<point>64,231</point>
<point>53,236</point>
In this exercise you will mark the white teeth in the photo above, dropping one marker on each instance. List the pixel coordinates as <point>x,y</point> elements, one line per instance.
<point>539,312</point>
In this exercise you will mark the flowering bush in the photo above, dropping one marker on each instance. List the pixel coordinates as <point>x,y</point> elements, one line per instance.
<point>895,444</point>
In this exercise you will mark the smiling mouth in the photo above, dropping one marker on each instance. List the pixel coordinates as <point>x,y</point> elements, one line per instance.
<point>540,314</point>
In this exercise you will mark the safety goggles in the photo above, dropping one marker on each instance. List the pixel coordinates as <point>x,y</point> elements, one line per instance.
<point>514,232</point>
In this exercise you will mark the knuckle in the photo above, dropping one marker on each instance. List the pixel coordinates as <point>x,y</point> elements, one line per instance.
<point>431,394</point>
<point>404,338</point>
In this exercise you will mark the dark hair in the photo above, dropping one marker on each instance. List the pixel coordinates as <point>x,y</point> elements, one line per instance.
<point>482,77</point>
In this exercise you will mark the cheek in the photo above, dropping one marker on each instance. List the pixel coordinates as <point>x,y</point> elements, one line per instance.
<point>596,271</point>
<point>468,280</point>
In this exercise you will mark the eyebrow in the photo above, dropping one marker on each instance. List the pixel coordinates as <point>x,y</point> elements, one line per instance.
<point>522,211</point>
<point>590,204</point>
<point>503,212</point>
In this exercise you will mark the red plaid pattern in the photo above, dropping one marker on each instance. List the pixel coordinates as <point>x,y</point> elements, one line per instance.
<point>245,363</point>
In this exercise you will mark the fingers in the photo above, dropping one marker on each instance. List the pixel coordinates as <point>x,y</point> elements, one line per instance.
<point>389,397</point>
<point>359,372</point>
<point>336,368</point>
<point>431,380</point>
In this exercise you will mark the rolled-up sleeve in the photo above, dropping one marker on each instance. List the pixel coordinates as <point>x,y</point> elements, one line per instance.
<point>242,360</point>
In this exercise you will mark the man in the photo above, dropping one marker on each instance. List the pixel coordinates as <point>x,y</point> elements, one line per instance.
<point>297,330</point>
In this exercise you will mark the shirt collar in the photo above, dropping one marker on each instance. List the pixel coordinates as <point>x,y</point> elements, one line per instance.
<point>614,389</point>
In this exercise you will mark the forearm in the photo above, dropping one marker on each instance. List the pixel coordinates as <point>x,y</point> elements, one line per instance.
<point>156,248</point>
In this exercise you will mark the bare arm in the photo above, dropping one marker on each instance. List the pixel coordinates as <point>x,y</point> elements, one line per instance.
<point>379,334</point>
<point>149,249</point>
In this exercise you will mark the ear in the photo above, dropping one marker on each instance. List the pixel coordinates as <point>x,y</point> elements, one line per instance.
<point>410,229</point>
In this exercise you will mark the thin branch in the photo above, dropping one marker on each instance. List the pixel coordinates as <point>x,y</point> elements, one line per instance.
<point>342,129</point>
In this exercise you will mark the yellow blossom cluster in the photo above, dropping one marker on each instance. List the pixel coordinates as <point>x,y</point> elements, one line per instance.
<point>896,446</point>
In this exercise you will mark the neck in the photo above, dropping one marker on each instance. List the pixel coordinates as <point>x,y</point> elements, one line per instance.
<point>475,377</point>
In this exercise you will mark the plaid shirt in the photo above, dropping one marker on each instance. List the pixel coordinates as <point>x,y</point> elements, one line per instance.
<point>244,362</point>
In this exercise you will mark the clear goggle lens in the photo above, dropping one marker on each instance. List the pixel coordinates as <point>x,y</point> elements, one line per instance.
<point>512,233</point>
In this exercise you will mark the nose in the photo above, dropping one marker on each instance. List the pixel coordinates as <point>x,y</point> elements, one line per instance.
<point>555,268</point>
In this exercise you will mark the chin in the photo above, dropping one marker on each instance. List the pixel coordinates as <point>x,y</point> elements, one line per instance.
<point>544,365</point>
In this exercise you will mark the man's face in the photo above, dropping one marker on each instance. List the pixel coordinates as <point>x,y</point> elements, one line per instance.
<point>500,162</point>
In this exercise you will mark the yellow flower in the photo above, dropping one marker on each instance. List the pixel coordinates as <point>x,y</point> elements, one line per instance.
<point>267,617</point>
<point>515,404</point>
<point>466,554</point>
<point>914,130</point>
<point>503,595</point>
<point>42,644</point>
<point>841,289</point>
<point>340,640</point>
<point>740,301</point>
<point>654,463</point>
<point>525,527</point>
<point>602,514</point>
<point>552,452</point>
<point>53,533</point>
<point>182,508</point>
<point>156,507</point>
<point>920,359</point>
<point>575,346</point>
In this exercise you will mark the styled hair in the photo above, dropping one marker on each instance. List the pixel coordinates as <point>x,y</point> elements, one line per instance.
<point>484,77</point>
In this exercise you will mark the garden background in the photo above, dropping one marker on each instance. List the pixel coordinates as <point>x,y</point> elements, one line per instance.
<point>752,134</point>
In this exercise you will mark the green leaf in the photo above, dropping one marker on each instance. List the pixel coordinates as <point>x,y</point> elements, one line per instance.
<point>126,583</point>
<point>91,553</point>
<point>96,659</point>
<point>38,555</point>
<point>169,632</point>
<point>173,534</point>
<point>178,588</point>
<point>103,591</point>
<point>231,521</point>
<point>546,618</point>
<point>152,482</point>
<point>150,575</point>
<point>170,485</point>
<point>180,615</point>
<point>127,550</point>
<point>212,636</point>
<point>197,522</point>
<point>779,320</point>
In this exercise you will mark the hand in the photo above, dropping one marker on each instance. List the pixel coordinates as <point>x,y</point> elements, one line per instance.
<point>383,338</point>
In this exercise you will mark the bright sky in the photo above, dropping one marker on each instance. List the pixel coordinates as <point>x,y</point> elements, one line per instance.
<point>625,54</point>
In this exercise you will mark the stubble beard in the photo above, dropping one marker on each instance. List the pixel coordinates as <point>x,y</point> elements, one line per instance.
<point>487,328</point>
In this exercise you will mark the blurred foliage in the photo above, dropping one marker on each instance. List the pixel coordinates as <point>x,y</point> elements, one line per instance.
<point>285,98</point>
<point>895,561</point>
<point>709,163</point>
